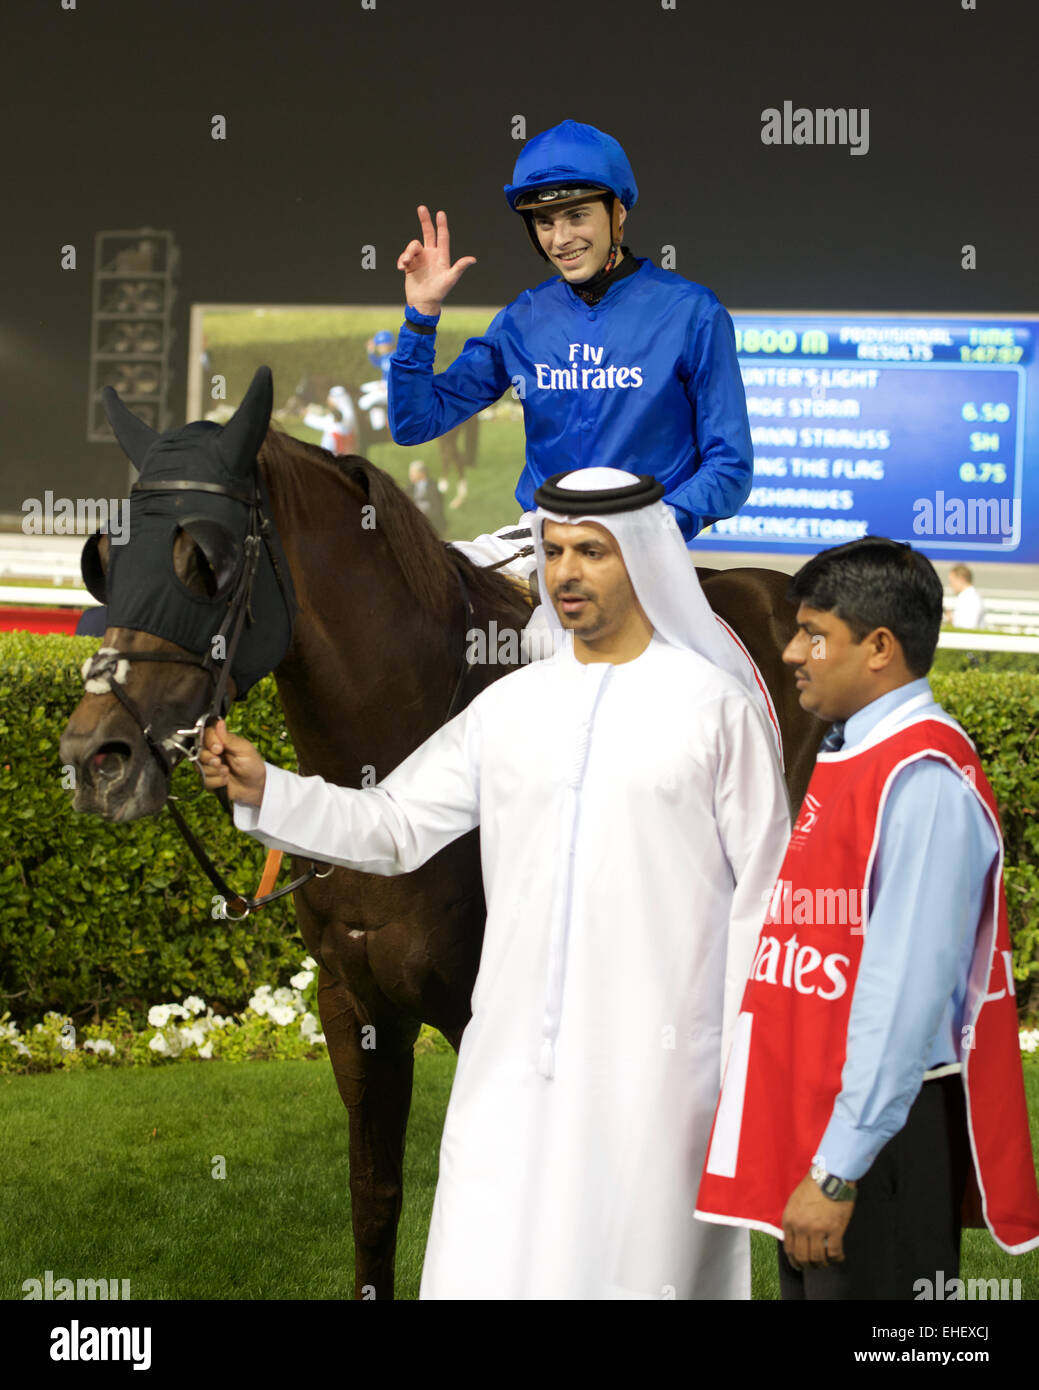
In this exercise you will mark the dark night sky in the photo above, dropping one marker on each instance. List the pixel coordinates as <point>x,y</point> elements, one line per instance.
<point>341,119</point>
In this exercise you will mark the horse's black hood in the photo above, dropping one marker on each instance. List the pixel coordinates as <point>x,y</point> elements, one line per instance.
<point>141,589</point>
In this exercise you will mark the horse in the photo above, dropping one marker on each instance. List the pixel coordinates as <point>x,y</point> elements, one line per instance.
<point>362,613</point>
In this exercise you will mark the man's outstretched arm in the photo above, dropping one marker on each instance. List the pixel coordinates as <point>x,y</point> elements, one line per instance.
<point>393,828</point>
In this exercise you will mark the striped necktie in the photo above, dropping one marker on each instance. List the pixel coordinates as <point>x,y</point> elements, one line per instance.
<point>833,740</point>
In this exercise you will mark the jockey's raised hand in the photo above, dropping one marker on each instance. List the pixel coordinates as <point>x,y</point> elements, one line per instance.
<point>228,760</point>
<point>429,276</point>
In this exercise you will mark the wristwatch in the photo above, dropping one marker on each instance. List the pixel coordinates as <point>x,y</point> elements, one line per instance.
<point>833,1187</point>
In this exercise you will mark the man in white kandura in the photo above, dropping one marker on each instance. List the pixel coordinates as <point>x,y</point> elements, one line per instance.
<point>632,820</point>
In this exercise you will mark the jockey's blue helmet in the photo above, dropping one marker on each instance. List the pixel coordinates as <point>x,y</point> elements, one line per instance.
<point>569,164</point>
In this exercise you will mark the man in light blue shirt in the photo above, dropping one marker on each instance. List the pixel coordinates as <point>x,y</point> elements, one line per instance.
<point>934,853</point>
<point>895,1150</point>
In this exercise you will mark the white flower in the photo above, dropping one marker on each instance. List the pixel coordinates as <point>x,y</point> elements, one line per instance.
<point>308,1026</point>
<point>193,1036</point>
<point>301,980</point>
<point>206,1050</point>
<point>158,1016</point>
<point>260,1003</point>
<point>283,1014</point>
<point>99,1045</point>
<point>309,963</point>
<point>178,1010</point>
<point>159,1044</point>
<point>194,1004</point>
<point>219,1022</point>
<point>283,996</point>
<point>1029,1039</point>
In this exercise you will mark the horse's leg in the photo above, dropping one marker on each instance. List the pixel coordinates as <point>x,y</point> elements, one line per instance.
<point>372,1057</point>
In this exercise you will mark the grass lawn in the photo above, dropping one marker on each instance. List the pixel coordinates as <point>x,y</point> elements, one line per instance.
<point>109,1174</point>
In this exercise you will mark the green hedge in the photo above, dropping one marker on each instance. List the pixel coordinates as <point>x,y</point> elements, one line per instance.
<point>1000,712</point>
<point>948,659</point>
<point>96,916</point>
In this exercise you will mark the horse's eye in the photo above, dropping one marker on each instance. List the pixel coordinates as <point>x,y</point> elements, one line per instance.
<point>212,561</point>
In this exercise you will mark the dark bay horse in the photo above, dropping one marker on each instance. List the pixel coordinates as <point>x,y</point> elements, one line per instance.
<point>371,666</point>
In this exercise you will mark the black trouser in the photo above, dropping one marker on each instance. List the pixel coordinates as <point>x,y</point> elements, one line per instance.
<point>906,1222</point>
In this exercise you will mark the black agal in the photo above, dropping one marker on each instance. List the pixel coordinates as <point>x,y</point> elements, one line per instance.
<point>573,502</point>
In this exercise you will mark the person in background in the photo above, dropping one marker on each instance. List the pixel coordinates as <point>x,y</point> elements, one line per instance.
<point>967,610</point>
<point>92,622</point>
<point>425,494</point>
<point>337,422</point>
<point>380,349</point>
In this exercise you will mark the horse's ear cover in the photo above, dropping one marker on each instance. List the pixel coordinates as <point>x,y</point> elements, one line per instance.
<point>140,585</point>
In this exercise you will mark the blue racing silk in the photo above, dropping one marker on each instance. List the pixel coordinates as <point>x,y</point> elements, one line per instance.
<point>646,380</point>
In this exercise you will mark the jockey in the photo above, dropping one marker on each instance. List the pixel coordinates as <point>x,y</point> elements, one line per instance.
<point>379,348</point>
<point>616,362</point>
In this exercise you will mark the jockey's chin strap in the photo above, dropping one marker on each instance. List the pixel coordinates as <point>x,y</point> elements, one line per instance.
<point>105,673</point>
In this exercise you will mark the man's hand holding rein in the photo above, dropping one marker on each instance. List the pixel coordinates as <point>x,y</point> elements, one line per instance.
<point>230,761</point>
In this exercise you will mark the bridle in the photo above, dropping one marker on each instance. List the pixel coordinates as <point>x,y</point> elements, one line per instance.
<point>186,744</point>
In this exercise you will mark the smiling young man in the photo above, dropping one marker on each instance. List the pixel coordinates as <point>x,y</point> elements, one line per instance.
<point>616,361</point>
<point>879,1023</point>
<point>632,815</point>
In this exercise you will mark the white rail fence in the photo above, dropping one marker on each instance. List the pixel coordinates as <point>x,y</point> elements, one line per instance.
<point>1012,626</point>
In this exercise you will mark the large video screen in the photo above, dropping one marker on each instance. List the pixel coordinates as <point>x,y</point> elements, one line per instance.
<point>922,428</point>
